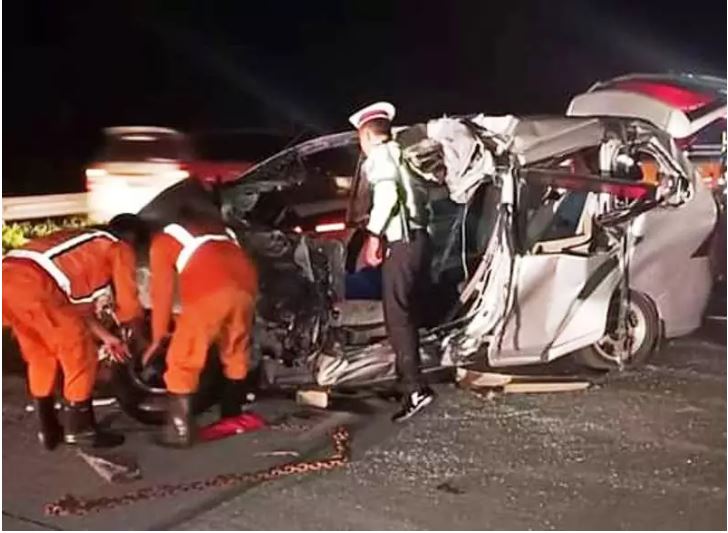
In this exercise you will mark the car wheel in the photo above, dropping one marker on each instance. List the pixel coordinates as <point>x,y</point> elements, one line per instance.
<point>643,332</point>
<point>145,400</point>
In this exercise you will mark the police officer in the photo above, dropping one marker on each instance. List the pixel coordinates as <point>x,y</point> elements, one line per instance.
<point>398,239</point>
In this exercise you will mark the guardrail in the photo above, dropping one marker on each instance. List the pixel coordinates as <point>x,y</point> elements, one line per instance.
<point>43,206</point>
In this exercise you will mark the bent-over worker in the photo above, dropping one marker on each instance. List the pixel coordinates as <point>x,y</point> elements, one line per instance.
<point>218,285</point>
<point>49,289</point>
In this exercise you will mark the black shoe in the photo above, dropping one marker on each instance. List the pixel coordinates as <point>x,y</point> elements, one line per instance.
<point>231,400</point>
<point>81,428</point>
<point>179,430</point>
<point>50,432</point>
<point>413,403</point>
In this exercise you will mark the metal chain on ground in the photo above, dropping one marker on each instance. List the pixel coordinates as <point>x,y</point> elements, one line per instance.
<point>70,505</point>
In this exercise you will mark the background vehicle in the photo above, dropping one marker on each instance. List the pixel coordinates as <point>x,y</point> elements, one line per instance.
<point>223,155</point>
<point>136,163</point>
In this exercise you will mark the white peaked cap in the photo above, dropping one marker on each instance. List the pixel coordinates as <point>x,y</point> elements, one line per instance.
<point>371,112</point>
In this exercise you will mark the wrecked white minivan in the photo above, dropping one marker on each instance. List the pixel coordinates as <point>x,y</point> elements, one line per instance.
<point>552,236</point>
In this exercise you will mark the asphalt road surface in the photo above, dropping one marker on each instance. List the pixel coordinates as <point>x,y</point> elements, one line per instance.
<point>644,449</point>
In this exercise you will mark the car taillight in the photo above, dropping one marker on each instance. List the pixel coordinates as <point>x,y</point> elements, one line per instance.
<point>95,172</point>
<point>331,226</point>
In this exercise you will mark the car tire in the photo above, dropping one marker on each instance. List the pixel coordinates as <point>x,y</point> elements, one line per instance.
<point>644,326</point>
<point>147,404</point>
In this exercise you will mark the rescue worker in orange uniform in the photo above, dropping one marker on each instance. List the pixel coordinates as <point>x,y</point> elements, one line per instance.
<point>49,289</point>
<point>217,285</point>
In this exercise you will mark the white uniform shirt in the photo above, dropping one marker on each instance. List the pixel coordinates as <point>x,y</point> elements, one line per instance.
<point>391,180</point>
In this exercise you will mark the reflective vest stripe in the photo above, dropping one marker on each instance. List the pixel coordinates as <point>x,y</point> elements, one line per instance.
<point>190,243</point>
<point>77,241</point>
<point>44,260</point>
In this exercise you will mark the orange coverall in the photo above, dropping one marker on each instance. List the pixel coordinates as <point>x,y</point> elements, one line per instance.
<point>50,329</point>
<point>217,289</point>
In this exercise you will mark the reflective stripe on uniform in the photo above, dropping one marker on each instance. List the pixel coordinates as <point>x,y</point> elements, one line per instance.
<point>190,243</point>
<point>76,241</point>
<point>45,261</point>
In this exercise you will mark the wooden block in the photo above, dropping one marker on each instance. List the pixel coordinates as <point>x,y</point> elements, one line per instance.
<point>313,397</point>
<point>533,386</point>
<point>471,379</point>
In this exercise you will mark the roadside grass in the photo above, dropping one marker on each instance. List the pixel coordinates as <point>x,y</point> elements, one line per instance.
<point>16,234</point>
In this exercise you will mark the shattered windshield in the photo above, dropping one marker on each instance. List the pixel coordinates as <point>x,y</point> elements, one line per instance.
<point>288,163</point>
<point>315,175</point>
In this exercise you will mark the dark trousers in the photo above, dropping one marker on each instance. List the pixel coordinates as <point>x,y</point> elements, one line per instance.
<point>405,278</point>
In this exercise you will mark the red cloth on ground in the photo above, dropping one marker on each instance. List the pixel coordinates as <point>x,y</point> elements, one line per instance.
<point>232,426</point>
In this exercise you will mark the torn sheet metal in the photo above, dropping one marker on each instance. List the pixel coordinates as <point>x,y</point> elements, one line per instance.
<point>467,160</point>
<point>371,363</point>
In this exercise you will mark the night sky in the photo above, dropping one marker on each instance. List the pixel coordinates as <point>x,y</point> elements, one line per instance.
<point>72,68</point>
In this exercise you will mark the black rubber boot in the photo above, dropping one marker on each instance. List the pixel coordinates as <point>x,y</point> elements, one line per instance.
<point>50,433</point>
<point>233,391</point>
<point>81,428</point>
<point>179,431</point>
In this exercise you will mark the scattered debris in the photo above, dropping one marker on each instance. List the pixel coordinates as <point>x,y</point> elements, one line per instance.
<point>278,453</point>
<point>114,468</point>
<point>450,488</point>
<point>313,397</point>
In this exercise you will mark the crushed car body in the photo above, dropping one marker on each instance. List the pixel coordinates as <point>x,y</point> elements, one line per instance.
<point>552,236</point>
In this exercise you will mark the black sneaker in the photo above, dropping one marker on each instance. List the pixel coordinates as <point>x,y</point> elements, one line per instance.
<point>413,403</point>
